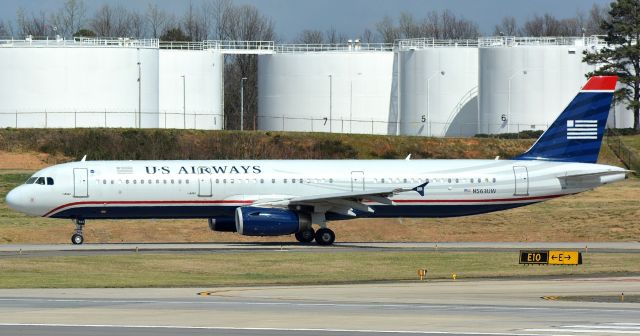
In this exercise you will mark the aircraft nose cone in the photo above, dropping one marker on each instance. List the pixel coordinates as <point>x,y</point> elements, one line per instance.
<point>16,200</point>
<point>12,199</point>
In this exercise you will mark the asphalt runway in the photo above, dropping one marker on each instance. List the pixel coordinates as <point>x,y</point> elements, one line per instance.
<point>469,307</point>
<point>8,250</point>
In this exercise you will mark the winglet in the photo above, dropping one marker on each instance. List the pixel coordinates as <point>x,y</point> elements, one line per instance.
<point>420,189</point>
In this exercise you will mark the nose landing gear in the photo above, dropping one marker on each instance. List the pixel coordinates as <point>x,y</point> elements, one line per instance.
<point>77,238</point>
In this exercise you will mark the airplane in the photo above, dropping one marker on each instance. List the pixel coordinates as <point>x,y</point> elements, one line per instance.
<point>284,197</point>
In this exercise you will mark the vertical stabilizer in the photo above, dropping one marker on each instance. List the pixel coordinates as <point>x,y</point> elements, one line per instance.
<point>576,135</point>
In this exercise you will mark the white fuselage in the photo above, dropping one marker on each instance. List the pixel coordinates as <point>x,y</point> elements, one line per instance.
<point>208,189</point>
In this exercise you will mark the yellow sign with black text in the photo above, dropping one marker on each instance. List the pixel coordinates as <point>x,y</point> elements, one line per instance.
<point>564,258</point>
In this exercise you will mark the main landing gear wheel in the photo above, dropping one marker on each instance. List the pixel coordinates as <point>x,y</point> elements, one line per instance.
<point>305,236</point>
<point>77,238</point>
<point>325,237</point>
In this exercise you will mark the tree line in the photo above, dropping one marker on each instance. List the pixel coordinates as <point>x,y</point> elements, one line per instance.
<point>225,20</point>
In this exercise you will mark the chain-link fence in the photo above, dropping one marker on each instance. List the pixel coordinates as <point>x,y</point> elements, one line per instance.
<point>628,156</point>
<point>112,119</point>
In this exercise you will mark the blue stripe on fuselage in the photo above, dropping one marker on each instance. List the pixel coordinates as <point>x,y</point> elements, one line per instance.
<point>183,211</point>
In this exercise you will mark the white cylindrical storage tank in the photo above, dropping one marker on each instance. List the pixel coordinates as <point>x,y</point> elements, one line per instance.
<point>191,89</point>
<point>338,91</point>
<point>620,116</point>
<point>525,83</point>
<point>72,84</point>
<point>438,91</point>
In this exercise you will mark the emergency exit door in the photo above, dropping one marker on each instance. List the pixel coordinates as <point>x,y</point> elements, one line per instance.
<point>80,182</point>
<point>521,181</point>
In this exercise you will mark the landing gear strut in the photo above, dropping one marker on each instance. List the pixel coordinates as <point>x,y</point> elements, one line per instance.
<point>325,237</point>
<point>306,235</point>
<point>77,238</point>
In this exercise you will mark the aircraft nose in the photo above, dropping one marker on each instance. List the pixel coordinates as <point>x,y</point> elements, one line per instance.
<point>15,200</point>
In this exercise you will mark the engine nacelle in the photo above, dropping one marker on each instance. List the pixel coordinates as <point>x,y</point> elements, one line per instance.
<point>222,224</point>
<point>255,221</point>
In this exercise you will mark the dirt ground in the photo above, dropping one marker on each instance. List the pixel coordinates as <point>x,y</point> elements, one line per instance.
<point>26,161</point>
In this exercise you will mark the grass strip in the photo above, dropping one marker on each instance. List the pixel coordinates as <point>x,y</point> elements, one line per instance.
<point>276,268</point>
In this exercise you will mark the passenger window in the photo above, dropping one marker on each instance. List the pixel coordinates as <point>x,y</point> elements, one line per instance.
<point>382,180</point>
<point>141,181</point>
<point>127,182</point>
<point>164,181</point>
<point>150,182</point>
<point>494,180</point>
<point>135,181</point>
<point>103,181</point>
<point>293,180</point>
<point>173,181</point>
<point>186,181</point>
<point>180,181</point>
<point>273,180</point>
<point>285,180</point>
<point>217,181</point>
<point>111,181</point>
<point>261,180</point>
<point>330,180</point>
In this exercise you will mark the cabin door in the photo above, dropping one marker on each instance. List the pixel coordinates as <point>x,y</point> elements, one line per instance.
<point>204,187</point>
<point>521,181</point>
<point>80,182</point>
<point>357,181</point>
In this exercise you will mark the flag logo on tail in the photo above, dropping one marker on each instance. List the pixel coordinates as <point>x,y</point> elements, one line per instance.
<point>582,129</point>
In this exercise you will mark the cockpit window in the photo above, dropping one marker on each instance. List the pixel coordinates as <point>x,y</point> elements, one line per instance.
<point>40,180</point>
<point>49,180</point>
<point>31,180</point>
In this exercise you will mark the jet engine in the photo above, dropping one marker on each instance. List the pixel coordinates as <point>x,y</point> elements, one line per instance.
<point>256,221</point>
<point>222,224</point>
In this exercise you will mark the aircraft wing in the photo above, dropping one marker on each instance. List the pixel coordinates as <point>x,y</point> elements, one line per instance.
<point>341,203</point>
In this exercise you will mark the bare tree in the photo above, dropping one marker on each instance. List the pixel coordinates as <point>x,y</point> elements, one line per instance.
<point>408,28</point>
<point>137,25</point>
<point>33,24</point>
<point>333,37</point>
<point>593,24</point>
<point>5,29</point>
<point>368,36</point>
<point>194,23</point>
<point>247,24</point>
<point>70,18</point>
<point>387,30</point>
<point>508,27</point>
<point>158,21</point>
<point>310,37</point>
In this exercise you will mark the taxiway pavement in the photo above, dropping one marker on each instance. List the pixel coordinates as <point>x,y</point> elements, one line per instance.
<point>468,307</point>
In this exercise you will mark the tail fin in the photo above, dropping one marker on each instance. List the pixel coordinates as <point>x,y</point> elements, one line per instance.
<point>576,135</point>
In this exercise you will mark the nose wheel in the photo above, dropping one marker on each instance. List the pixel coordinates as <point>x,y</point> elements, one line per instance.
<point>78,238</point>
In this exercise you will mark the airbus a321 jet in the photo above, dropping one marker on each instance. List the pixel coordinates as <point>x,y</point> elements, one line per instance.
<point>283,197</point>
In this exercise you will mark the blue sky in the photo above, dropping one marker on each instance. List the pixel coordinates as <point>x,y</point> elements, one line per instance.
<point>349,16</point>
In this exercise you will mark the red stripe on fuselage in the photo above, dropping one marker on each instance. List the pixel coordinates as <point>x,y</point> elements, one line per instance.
<point>143,203</point>
<point>68,205</point>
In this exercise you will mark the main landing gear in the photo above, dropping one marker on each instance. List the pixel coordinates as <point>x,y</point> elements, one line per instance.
<point>77,238</point>
<point>323,236</point>
<point>306,235</point>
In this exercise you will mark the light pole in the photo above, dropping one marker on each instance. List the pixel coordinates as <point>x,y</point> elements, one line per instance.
<point>524,72</point>
<point>184,101</point>
<point>139,92</point>
<point>242,102</point>
<point>330,101</point>
<point>351,102</point>
<point>429,100</point>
